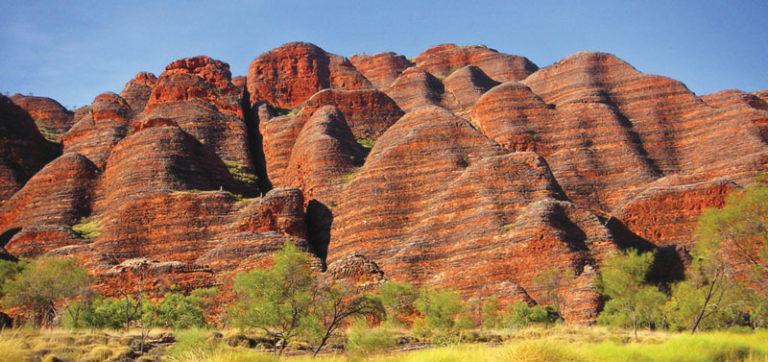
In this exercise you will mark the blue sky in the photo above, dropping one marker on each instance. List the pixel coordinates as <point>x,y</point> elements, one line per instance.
<point>72,51</point>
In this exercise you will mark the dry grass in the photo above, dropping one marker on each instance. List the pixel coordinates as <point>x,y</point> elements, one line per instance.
<point>557,343</point>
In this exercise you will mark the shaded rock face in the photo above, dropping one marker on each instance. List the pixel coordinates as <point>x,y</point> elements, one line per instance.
<point>51,118</point>
<point>381,69</point>
<point>106,123</point>
<point>464,168</point>
<point>443,59</point>
<point>137,91</point>
<point>23,150</point>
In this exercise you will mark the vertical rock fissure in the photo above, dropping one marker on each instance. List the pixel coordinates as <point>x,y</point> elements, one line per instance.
<point>256,141</point>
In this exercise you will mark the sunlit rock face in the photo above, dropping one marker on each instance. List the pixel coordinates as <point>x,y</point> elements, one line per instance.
<point>461,168</point>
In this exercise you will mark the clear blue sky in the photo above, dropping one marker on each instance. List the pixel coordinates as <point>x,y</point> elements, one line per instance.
<point>72,51</point>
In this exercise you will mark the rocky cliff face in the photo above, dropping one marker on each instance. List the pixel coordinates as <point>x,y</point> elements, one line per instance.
<point>463,168</point>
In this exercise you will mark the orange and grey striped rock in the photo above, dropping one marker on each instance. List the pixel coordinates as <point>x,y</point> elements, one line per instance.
<point>436,196</point>
<point>94,135</point>
<point>381,69</point>
<point>23,150</point>
<point>325,151</point>
<point>442,60</point>
<point>197,94</point>
<point>368,114</point>
<point>287,76</point>
<point>38,239</point>
<point>416,88</point>
<point>51,118</point>
<point>137,91</point>
<point>467,84</point>
<point>485,170</point>
<point>59,194</point>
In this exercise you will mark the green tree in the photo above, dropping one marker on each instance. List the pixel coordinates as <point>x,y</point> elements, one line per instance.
<point>622,279</point>
<point>335,304</point>
<point>42,284</point>
<point>491,313</point>
<point>277,300</point>
<point>520,314</point>
<point>9,270</point>
<point>398,299</point>
<point>441,309</point>
<point>712,295</point>
<point>181,311</point>
<point>552,281</point>
<point>111,313</point>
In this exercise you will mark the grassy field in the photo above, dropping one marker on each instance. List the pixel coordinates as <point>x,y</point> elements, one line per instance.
<point>559,343</point>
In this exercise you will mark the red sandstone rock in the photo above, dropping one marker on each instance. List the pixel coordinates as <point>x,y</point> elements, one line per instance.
<point>444,59</point>
<point>380,69</point>
<point>94,135</point>
<point>435,194</point>
<point>467,84</point>
<point>239,82</point>
<point>59,194</point>
<point>51,118</point>
<point>551,169</point>
<point>197,94</point>
<point>323,154</point>
<point>415,88</point>
<point>24,150</point>
<point>39,239</point>
<point>137,91</point>
<point>289,75</point>
<point>367,112</point>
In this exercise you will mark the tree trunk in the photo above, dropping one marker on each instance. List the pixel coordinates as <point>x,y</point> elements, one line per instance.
<point>319,346</point>
<point>700,316</point>
<point>634,325</point>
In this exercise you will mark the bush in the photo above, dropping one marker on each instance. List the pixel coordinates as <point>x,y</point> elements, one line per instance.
<point>179,311</point>
<point>490,313</point>
<point>277,300</point>
<point>111,313</point>
<point>363,341</point>
<point>366,143</point>
<point>241,174</point>
<point>398,299</point>
<point>44,283</point>
<point>441,309</point>
<point>521,314</point>
<point>87,229</point>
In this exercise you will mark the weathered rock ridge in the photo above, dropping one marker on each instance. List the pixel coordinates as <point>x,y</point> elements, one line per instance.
<point>462,167</point>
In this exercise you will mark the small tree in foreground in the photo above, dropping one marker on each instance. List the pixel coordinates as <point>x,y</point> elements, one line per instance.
<point>398,299</point>
<point>42,284</point>
<point>442,310</point>
<point>277,300</point>
<point>520,314</point>
<point>335,304</point>
<point>551,281</point>
<point>712,295</point>
<point>632,301</point>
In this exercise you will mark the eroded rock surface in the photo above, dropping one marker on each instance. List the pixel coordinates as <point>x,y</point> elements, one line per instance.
<point>463,168</point>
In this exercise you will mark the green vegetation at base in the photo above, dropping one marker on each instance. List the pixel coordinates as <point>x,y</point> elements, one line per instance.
<point>87,229</point>
<point>38,287</point>
<point>345,178</point>
<point>237,197</point>
<point>240,173</point>
<point>279,112</point>
<point>366,143</point>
